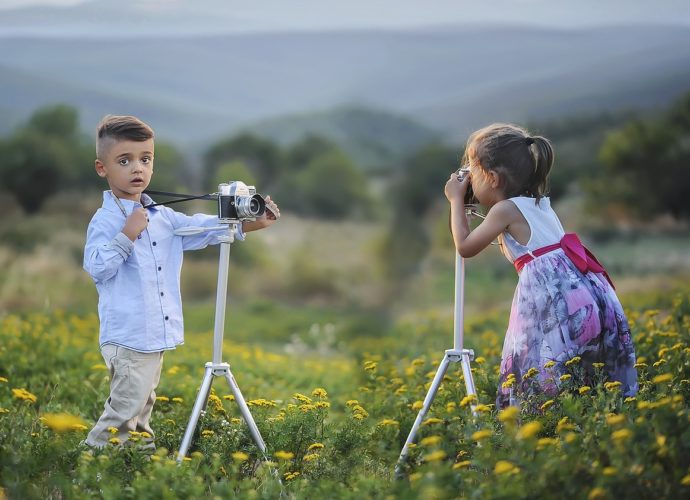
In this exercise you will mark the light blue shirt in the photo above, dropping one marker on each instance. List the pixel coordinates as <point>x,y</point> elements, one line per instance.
<point>139,301</point>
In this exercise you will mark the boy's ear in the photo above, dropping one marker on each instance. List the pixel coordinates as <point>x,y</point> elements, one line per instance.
<point>100,168</point>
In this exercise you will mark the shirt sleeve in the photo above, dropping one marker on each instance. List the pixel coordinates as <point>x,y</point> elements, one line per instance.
<point>105,251</point>
<point>203,239</point>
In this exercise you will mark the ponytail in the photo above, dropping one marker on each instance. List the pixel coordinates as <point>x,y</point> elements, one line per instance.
<point>542,153</point>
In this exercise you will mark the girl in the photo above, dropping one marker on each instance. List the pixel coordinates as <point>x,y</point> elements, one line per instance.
<point>564,305</point>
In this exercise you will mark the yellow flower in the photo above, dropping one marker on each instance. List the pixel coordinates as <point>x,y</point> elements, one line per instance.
<point>685,481</point>
<point>640,365</point>
<point>370,366</point>
<point>482,434</point>
<point>112,430</point>
<point>319,393</point>
<point>614,419</point>
<point>566,377</point>
<point>461,465</point>
<point>598,365</point>
<point>351,402</point>
<point>482,408</point>
<point>240,456</point>
<point>470,399</point>
<point>550,364</point>
<point>506,467</point>
<point>548,404</point>
<point>177,400</point>
<point>609,471</point>
<point>530,373</point>
<point>573,361</point>
<point>115,441</point>
<point>388,422</point>
<point>284,455</point>
<point>432,421</point>
<point>99,366</point>
<point>664,377</point>
<point>529,430</point>
<point>621,435</point>
<point>509,414</point>
<point>612,386</point>
<point>207,433</point>
<point>431,441</point>
<point>570,437</point>
<point>24,395</point>
<point>315,446</point>
<point>597,494</point>
<point>145,435</point>
<point>417,405</point>
<point>3,379</point>
<point>63,422</point>
<point>301,398</point>
<point>584,389</point>
<point>163,399</point>
<point>289,476</point>
<point>310,457</point>
<point>229,397</point>
<point>435,456</point>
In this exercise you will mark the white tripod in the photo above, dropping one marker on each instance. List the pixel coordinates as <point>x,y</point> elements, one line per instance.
<point>217,368</point>
<point>454,355</point>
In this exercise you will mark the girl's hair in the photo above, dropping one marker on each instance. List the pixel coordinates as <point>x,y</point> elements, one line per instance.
<point>523,162</point>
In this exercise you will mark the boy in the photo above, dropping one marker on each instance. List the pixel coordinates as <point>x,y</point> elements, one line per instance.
<point>135,259</point>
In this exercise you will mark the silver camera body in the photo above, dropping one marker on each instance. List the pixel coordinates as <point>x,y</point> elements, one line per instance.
<point>239,202</point>
<point>463,172</point>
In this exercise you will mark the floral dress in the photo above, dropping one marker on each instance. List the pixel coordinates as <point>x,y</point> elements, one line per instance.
<point>560,313</point>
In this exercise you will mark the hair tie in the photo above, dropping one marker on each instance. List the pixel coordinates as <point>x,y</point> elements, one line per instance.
<point>529,141</point>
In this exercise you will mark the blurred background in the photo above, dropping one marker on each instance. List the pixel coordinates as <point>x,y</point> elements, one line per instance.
<point>351,115</point>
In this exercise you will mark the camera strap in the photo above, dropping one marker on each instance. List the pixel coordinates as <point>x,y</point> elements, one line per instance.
<point>182,197</point>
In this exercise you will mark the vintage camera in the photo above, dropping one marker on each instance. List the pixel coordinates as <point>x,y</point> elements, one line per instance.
<point>239,202</point>
<point>462,172</point>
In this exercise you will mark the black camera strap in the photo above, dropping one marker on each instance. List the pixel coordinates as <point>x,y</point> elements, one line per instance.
<point>182,197</point>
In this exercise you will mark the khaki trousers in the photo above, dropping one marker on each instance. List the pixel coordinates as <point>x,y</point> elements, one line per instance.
<point>134,377</point>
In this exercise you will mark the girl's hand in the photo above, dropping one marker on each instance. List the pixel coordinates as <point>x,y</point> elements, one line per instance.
<point>455,188</point>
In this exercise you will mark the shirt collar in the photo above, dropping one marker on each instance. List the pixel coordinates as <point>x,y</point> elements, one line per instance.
<point>109,203</point>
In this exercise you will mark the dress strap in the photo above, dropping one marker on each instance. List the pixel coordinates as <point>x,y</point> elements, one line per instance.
<point>571,245</point>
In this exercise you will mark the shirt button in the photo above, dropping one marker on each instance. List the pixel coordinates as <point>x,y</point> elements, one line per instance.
<point>166,318</point>
<point>159,268</point>
<point>154,243</point>
<point>162,294</point>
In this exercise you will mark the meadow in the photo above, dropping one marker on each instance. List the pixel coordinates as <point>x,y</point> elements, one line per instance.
<point>333,379</point>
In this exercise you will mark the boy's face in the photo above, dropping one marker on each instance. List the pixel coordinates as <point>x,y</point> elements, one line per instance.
<point>128,166</point>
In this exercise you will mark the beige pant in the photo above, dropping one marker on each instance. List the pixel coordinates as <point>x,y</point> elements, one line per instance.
<point>134,377</point>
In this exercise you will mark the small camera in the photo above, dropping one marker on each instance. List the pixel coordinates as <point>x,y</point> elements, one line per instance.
<point>463,172</point>
<point>239,202</point>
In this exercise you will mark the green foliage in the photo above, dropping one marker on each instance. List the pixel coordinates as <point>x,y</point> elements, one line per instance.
<point>261,156</point>
<point>171,171</point>
<point>647,163</point>
<point>334,425</point>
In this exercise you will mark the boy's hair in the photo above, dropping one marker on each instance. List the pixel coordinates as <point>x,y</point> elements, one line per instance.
<point>523,162</point>
<point>119,128</point>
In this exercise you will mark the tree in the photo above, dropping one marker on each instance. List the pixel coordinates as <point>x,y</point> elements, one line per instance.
<point>261,156</point>
<point>646,166</point>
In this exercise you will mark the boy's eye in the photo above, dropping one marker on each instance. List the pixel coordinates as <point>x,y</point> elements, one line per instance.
<point>123,161</point>
<point>146,159</point>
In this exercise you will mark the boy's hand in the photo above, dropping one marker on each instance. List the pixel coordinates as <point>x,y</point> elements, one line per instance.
<point>272,210</point>
<point>271,215</point>
<point>136,223</point>
<point>455,188</point>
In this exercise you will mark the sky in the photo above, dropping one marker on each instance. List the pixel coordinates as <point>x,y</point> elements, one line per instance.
<point>269,15</point>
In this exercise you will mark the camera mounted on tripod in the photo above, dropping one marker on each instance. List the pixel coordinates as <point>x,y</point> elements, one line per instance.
<point>463,172</point>
<point>239,202</point>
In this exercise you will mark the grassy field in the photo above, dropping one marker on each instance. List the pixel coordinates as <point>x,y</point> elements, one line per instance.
<point>334,367</point>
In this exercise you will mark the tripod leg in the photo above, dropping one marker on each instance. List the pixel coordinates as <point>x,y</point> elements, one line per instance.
<point>430,395</point>
<point>469,379</point>
<point>244,409</point>
<point>199,404</point>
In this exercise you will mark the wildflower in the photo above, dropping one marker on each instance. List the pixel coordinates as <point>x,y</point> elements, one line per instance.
<point>284,455</point>
<point>319,393</point>
<point>351,402</point>
<point>358,416</point>
<point>598,365</point>
<point>506,467</point>
<point>548,404</point>
<point>229,397</point>
<point>597,494</point>
<point>530,373</point>
<point>565,377</point>
<point>435,456</point>
<point>686,480</point>
<point>584,390</point>
<point>370,366</point>
<point>546,442</point>
<point>550,364</point>
<point>432,421</point>
<point>315,446</point>
<point>4,410</point>
<point>564,425</point>
<point>322,404</point>
<point>461,465</point>
<point>301,398</point>
<point>431,441</point>
<point>417,405</point>
<point>664,377</point>
<point>415,476</point>
<point>311,456</point>
<point>640,365</point>
<point>470,399</point>
<point>240,456</point>
<point>573,361</point>
<point>357,409</point>
<point>621,435</point>
<point>529,430</point>
<point>99,366</point>
<point>3,379</point>
<point>450,407</point>
<point>482,408</point>
<point>570,437</point>
<point>306,408</point>
<point>114,441</point>
<point>612,386</point>
<point>614,419</point>
<point>24,395</point>
<point>388,422</point>
<point>146,435</point>
<point>659,363</point>
<point>289,476</point>
<point>177,400</point>
<point>163,399</point>
<point>63,422</point>
<point>482,434</point>
<point>417,362</point>
<point>510,414</point>
<point>112,430</point>
<point>609,471</point>
<point>207,433</point>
